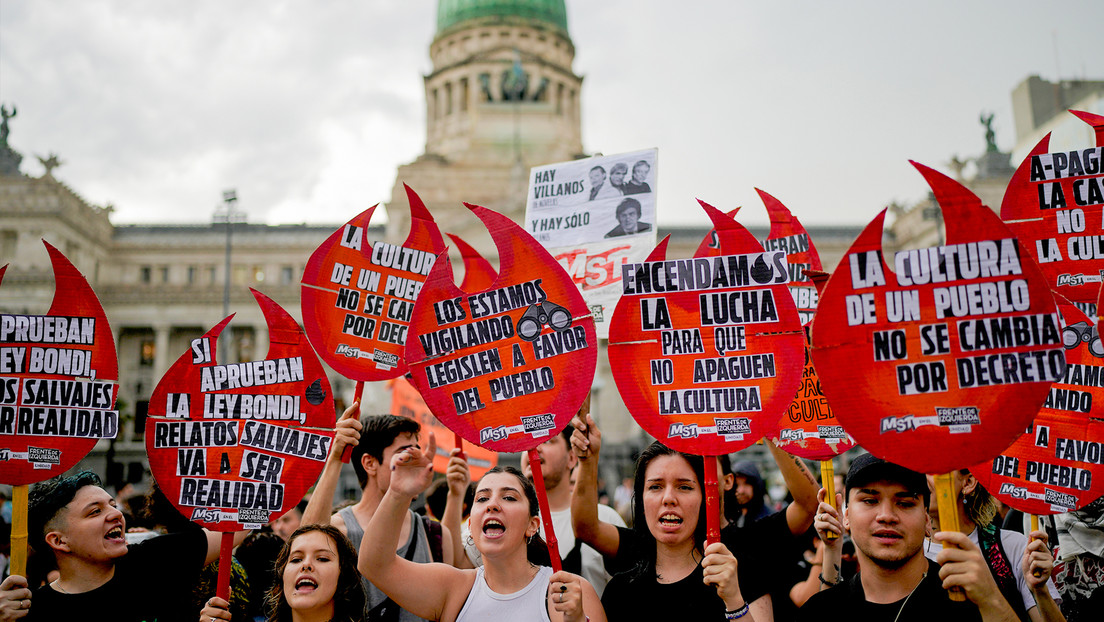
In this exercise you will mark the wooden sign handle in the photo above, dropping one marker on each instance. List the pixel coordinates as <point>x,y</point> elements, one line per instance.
<point>948,516</point>
<point>19,530</point>
<point>1037,573</point>
<point>828,482</point>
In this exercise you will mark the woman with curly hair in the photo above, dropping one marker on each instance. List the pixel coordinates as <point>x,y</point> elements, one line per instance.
<point>318,582</point>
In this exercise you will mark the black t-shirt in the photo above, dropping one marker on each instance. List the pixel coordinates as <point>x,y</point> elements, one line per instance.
<point>151,584</point>
<point>768,543</point>
<point>644,598</point>
<point>847,602</point>
<point>749,567</point>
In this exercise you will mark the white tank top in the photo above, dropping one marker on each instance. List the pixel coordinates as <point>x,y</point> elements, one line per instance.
<point>525,605</point>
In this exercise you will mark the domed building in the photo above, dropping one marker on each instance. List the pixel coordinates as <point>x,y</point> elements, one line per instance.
<point>501,98</point>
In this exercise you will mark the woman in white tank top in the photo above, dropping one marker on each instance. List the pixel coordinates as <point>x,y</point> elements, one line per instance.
<point>504,517</point>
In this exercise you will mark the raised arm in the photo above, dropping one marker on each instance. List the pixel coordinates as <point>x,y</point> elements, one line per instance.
<point>425,590</point>
<point>802,485</point>
<point>346,434</point>
<point>603,537</point>
<point>828,520</point>
<point>458,477</point>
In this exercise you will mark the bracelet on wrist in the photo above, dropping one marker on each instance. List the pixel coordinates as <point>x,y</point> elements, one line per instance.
<point>838,580</point>
<point>737,614</point>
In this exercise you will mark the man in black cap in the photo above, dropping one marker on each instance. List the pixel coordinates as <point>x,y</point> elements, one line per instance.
<point>887,516</point>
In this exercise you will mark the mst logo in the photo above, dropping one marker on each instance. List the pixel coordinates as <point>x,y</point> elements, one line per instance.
<point>1014,491</point>
<point>898,424</point>
<point>684,430</point>
<point>1073,280</point>
<point>493,434</point>
<point>791,435</point>
<point>207,515</point>
<point>347,350</point>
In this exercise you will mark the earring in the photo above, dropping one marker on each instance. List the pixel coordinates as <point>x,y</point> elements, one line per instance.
<point>469,540</point>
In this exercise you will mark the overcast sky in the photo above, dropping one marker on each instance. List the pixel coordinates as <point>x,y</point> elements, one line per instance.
<point>307,107</point>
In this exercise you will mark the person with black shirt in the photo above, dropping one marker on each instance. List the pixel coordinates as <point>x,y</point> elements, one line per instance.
<point>886,514</point>
<point>664,569</point>
<point>637,185</point>
<point>101,577</point>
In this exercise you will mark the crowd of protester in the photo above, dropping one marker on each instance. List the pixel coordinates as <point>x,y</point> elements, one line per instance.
<point>476,551</point>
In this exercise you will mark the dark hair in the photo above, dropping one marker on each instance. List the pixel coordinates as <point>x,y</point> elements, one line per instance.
<point>349,596</point>
<point>597,168</point>
<point>644,162</point>
<point>646,565</point>
<point>48,498</point>
<point>436,497</point>
<point>257,554</point>
<point>628,204</point>
<point>377,435</point>
<point>536,550</point>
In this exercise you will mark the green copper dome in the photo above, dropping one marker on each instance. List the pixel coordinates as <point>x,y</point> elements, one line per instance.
<point>453,12</point>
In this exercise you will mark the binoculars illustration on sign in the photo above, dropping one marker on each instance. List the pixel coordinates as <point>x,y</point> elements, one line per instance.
<point>531,322</point>
<point>1074,334</point>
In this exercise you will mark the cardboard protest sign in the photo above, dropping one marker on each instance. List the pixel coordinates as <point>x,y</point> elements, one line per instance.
<point>510,365</point>
<point>1054,204</point>
<point>235,445</point>
<point>1058,464</point>
<point>357,295</point>
<point>407,402</point>
<point>706,352</point>
<point>58,381</point>
<point>955,347</point>
<point>594,215</point>
<point>808,428</point>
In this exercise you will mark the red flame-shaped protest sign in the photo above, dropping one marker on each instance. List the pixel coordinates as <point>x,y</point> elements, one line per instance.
<point>235,445</point>
<point>58,376</point>
<point>808,428</point>
<point>358,295</point>
<point>1058,465</point>
<point>954,348</point>
<point>1054,204</point>
<point>706,351</point>
<point>507,366</point>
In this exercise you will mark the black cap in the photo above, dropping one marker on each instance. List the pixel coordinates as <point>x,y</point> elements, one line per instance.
<point>868,468</point>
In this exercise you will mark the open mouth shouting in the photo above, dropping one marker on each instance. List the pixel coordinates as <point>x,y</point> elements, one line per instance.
<point>115,534</point>
<point>305,585</point>
<point>493,528</point>
<point>669,521</point>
